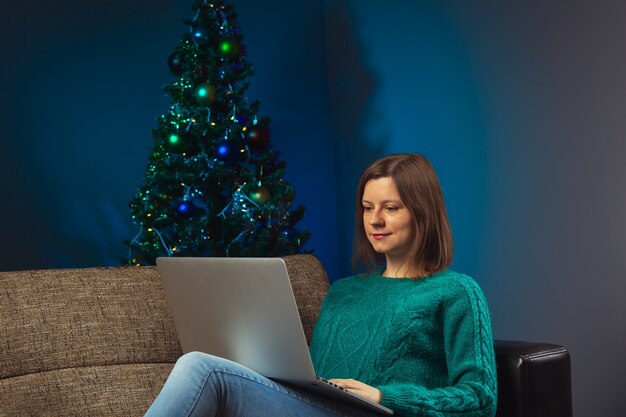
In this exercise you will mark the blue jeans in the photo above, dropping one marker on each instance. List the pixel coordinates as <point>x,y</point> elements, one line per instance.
<point>203,385</point>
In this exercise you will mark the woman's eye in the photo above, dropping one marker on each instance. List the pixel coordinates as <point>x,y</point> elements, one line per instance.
<point>391,208</point>
<point>365,208</point>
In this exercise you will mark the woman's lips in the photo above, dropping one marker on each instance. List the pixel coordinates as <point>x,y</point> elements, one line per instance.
<point>379,236</point>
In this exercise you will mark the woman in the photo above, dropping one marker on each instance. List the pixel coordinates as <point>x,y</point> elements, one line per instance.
<point>413,336</point>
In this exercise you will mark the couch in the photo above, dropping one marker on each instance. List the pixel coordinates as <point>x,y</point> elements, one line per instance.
<point>101,342</point>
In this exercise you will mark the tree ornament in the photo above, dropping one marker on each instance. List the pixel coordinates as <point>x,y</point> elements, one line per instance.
<point>258,137</point>
<point>175,62</point>
<point>205,94</point>
<point>227,151</point>
<point>229,47</point>
<point>260,195</point>
<point>185,209</point>
<point>175,142</point>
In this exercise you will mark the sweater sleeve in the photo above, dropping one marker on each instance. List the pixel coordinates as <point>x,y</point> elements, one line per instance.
<point>468,343</point>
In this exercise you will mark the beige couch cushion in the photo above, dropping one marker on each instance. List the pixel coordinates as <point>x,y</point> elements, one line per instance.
<point>80,338</point>
<point>98,391</point>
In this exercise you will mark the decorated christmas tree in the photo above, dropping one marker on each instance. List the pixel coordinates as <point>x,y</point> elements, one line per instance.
<point>214,186</point>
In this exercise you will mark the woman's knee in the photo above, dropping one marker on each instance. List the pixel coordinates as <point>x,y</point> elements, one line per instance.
<point>196,360</point>
<point>202,362</point>
<point>198,366</point>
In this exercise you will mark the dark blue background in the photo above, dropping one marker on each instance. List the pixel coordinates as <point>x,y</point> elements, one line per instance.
<point>519,105</point>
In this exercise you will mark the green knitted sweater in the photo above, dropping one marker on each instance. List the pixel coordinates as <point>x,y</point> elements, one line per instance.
<point>425,343</point>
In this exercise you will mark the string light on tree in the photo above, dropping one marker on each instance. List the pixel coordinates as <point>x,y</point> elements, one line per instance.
<point>199,34</point>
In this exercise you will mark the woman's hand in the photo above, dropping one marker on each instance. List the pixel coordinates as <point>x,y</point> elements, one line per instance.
<point>364,390</point>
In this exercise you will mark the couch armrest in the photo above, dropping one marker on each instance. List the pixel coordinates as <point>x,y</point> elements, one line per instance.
<point>534,379</point>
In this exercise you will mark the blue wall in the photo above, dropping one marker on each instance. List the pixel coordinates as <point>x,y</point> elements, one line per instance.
<point>519,105</point>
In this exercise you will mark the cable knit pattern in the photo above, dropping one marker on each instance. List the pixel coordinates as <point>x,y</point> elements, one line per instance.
<point>426,344</point>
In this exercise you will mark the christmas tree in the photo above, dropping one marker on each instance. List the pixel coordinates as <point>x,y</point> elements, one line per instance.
<point>214,186</point>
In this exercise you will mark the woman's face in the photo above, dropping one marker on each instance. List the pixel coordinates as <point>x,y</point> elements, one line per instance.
<point>387,222</point>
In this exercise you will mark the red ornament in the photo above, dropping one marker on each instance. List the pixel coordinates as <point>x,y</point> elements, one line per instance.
<point>258,137</point>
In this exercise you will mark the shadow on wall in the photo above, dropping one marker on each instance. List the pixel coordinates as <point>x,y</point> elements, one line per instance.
<point>352,90</point>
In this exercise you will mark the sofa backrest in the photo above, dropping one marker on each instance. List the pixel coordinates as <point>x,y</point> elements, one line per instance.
<point>101,341</point>
<point>310,284</point>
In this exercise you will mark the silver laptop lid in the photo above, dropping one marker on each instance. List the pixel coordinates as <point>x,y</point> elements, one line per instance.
<point>242,309</point>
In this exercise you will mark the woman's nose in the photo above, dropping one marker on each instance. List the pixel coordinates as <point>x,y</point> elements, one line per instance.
<point>376,219</point>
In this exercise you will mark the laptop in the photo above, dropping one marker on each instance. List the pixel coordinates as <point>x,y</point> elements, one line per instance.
<point>244,310</point>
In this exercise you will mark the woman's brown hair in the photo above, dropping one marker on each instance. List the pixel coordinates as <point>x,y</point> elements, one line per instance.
<point>420,192</point>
